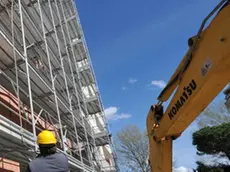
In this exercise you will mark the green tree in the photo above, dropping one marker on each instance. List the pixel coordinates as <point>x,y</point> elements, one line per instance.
<point>215,114</point>
<point>132,148</point>
<point>218,168</point>
<point>213,140</point>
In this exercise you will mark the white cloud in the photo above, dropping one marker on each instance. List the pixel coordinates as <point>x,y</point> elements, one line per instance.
<point>111,114</point>
<point>132,80</point>
<point>158,83</point>
<point>122,116</point>
<point>123,88</point>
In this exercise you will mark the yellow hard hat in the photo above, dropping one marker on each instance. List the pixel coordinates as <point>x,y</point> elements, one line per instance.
<point>46,137</point>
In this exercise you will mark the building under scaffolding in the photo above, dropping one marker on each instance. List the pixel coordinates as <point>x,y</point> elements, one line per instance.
<point>47,82</point>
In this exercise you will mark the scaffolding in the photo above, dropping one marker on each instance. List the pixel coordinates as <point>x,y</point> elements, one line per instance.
<point>47,82</point>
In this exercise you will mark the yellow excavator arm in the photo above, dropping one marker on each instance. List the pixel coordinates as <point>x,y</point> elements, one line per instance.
<point>199,78</point>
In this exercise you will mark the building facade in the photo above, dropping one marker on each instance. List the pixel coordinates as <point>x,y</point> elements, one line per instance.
<point>47,82</point>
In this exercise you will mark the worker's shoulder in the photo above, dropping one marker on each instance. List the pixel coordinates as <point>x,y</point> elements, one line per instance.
<point>61,156</point>
<point>57,159</point>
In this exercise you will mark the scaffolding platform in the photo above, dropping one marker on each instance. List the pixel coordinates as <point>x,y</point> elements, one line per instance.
<point>47,82</point>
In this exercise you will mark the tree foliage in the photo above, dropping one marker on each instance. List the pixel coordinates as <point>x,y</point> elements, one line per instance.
<point>213,140</point>
<point>218,168</point>
<point>132,148</point>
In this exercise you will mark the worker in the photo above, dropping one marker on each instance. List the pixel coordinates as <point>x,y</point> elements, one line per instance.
<point>49,160</point>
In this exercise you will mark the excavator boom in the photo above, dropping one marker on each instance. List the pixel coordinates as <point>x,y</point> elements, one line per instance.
<point>199,78</point>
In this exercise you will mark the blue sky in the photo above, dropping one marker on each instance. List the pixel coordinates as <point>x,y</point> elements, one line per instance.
<point>135,42</point>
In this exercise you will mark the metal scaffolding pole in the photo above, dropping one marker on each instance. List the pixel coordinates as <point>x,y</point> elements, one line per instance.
<point>28,74</point>
<point>51,75</point>
<point>71,70</point>
<point>79,79</point>
<point>99,97</point>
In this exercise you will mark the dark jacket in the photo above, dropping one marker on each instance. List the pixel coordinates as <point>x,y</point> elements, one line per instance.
<point>57,162</point>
